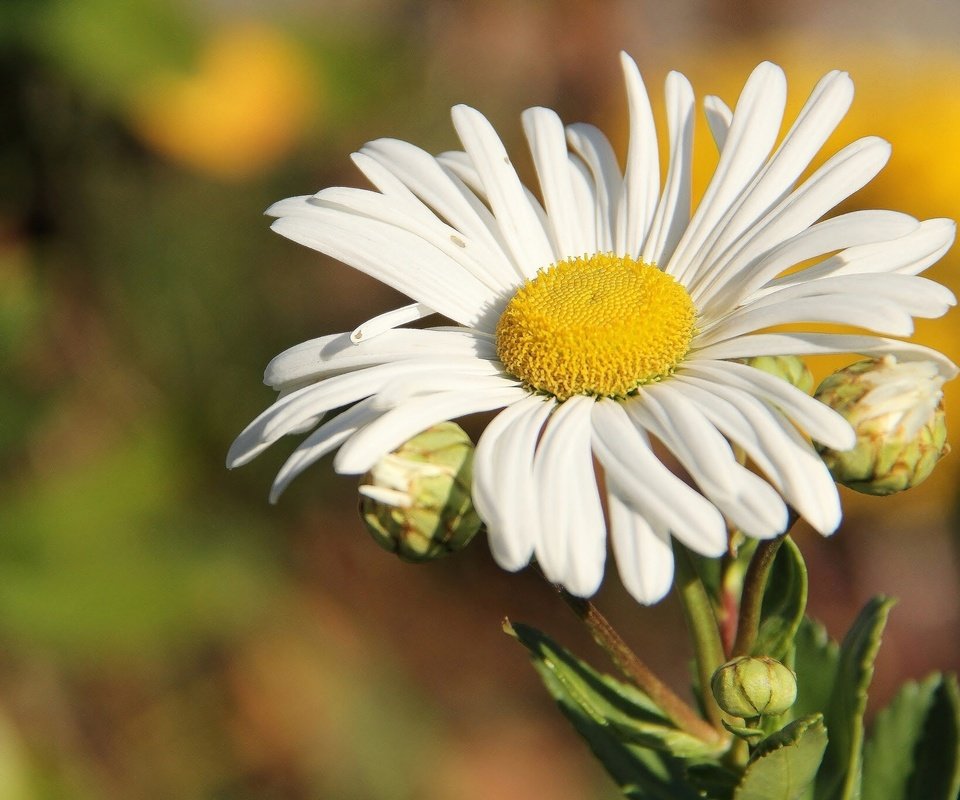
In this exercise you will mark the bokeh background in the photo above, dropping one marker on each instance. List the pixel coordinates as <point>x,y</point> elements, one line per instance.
<point>164,633</point>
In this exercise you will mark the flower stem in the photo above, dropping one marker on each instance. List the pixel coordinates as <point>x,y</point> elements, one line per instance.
<point>702,622</point>
<point>630,664</point>
<point>751,601</point>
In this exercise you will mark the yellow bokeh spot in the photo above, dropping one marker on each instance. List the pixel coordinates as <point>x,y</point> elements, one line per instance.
<point>599,325</point>
<point>245,106</point>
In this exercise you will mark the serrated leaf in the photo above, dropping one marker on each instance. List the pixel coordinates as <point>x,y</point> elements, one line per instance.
<point>619,722</point>
<point>785,763</point>
<point>915,748</point>
<point>784,602</point>
<point>815,659</point>
<point>842,772</point>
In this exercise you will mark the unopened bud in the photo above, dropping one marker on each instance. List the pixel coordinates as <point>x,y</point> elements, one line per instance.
<point>416,500</point>
<point>754,686</point>
<point>896,409</point>
<point>791,368</point>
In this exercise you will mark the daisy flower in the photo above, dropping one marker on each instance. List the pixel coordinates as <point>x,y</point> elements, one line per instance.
<point>603,317</point>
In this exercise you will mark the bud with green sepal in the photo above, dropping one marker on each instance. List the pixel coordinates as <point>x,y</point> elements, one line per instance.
<point>896,409</point>
<point>792,369</point>
<point>416,500</point>
<point>754,686</point>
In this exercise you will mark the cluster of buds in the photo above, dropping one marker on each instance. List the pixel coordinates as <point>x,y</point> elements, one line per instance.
<point>896,409</point>
<point>416,500</point>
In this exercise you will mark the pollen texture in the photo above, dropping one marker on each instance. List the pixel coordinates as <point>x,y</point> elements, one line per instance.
<point>600,325</point>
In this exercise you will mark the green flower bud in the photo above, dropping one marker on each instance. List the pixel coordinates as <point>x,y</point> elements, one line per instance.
<point>416,500</point>
<point>896,408</point>
<point>791,368</point>
<point>754,686</point>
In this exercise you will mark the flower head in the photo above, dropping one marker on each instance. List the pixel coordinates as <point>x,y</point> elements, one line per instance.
<point>896,410</point>
<point>603,316</point>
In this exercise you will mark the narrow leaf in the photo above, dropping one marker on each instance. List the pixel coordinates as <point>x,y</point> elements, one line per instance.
<point>619,722</point>
<point>784,602</point>
<point>841,775</point>
<point>785,763</point>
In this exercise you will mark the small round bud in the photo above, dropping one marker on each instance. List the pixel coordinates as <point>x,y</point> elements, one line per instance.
<point>416,500</point>
<point>754,686</point>
<point>791,368</point>
<point>896,409</point>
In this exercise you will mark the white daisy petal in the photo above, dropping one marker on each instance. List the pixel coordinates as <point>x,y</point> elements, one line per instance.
<point>398,258</point>
<point>849,170</point>
<point>641,181</point>
<point>719,119</point>
<point>673,211</point>
<point>822,423</point>
<point>389,320</point>
<point>325,439</point>
<point>591,214</point>
<point>644,555</point>
<point>520,224</point>
<point>773,444</point>
<point>300,410</point>
<point>752,133</point>
<point>444,193</point>
<point>571,547</point>
<point>548,145</point>
<point>817,120</point>
<point>873,313</point>
<point>839,233</point>
<point>814,344</point>
<point>648,486</point>
<point>337,353</point>
<point>749,502</point>
<point>396,426</point>
<point>503,486</point>
<point>909,254</point>
<point>595,149</point>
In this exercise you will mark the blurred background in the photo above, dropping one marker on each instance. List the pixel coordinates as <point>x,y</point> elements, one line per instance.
<point>163,631</point>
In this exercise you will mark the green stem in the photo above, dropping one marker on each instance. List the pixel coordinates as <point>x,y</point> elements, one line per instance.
<point>751,601</point>
<point>630,664</point>
<point>702,622</point>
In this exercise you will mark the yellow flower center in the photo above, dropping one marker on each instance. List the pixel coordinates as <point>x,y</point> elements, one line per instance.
<point>597,325</point>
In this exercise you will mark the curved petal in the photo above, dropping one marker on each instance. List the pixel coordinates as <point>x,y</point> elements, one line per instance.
<point>646,484</point>
<point>673,211</point>
<point>503,485</point>
<point>548,145</point>
<point>571,548</point>
<point>814,344</point>
<point>594,148</point>
<point>521,226</point>
<point>337,353</point>
<point>748,501</point>
<point>398,258</point>
<point>396,426</point>
<point>772,442</point>
<point>752,133</point>
<point>641,181</point>
<point>644,554</point>
<point>821,422</point>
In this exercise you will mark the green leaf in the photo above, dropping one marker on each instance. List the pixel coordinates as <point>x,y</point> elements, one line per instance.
<point>815,659</point>
<point>785,763</point>
<point>640,748</point>
<point>784,602</point>
<point>841,775</point>
<point>915,747</point>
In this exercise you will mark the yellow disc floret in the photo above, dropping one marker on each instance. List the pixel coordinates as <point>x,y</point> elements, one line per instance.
<point>600,325</point>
